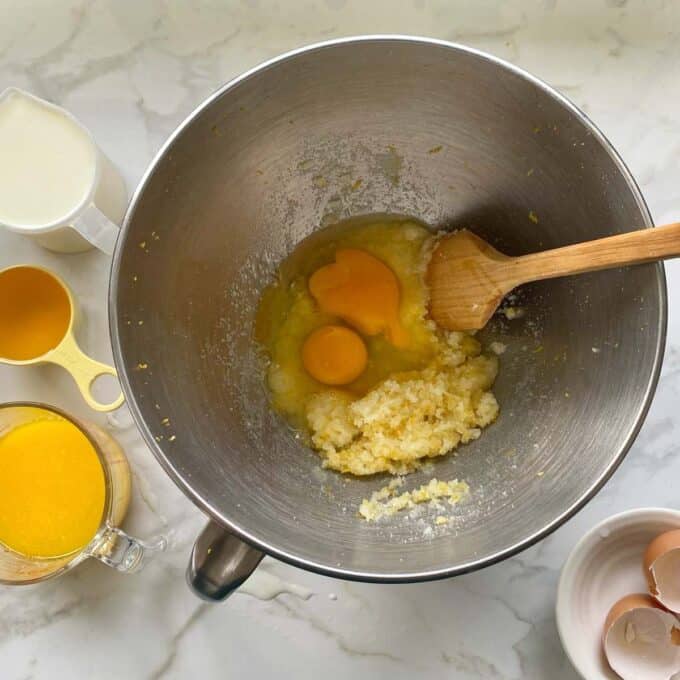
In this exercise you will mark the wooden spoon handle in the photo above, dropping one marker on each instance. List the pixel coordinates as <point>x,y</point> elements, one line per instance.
<point>634,247</point>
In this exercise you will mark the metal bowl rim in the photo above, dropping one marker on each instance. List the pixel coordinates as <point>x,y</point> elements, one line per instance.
<point>337,571</point>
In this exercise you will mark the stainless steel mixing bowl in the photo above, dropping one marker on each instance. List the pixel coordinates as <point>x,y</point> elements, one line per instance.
<point>395,125</point>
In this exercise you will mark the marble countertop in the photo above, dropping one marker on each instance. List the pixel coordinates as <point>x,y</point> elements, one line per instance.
<point>131,71</point>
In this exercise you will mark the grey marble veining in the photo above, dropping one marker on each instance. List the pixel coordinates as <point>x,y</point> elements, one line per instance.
<point>131,71</point>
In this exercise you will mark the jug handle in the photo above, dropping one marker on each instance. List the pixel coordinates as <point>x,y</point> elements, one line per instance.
<point>93,225</point>
<point>219,563</point>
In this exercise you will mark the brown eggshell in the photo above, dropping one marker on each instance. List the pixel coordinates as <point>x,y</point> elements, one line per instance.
<point>641,639</point>
<point>625,604</point>
<point>661,565</point>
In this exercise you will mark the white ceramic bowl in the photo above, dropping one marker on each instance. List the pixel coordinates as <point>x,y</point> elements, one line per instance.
<point>605,565</point>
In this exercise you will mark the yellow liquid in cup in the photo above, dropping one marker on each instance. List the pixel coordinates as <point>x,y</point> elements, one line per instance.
<point>52,489</point>
<point>35,313</point>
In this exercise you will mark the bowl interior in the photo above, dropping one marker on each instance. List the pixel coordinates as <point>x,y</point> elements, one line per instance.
<point>433,131</point>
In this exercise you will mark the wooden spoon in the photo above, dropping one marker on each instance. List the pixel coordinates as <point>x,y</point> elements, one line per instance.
<point>468,278</point>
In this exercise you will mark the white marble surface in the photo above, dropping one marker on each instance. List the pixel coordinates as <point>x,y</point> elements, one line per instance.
<point>131,71</point>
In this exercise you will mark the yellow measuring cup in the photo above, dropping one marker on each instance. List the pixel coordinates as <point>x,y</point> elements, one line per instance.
<point>37,319</point>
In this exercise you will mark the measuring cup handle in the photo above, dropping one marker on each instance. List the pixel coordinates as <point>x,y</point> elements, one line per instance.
<point>220,562</point>
<point>123,552</point>
<point>97,228</point>
<point>84,371</point>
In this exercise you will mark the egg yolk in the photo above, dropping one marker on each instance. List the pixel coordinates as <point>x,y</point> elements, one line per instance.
<point>361,290</point>
<point>334,355</point>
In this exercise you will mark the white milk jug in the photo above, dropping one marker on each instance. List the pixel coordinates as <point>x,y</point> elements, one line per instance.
<point>56,186</point>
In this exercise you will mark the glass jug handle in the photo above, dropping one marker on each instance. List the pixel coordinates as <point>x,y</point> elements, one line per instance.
<point>124,553</point>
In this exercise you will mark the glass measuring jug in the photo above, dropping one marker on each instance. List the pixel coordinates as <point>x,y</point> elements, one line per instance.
<point>37,319</point>
<point>109,544</point>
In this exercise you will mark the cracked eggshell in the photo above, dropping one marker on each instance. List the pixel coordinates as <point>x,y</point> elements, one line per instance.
<point>641,639</point>
<point>603,566</point>
<point>662,569</point>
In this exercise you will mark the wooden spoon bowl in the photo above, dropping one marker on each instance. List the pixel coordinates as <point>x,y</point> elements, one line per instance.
<point>468,278</point>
